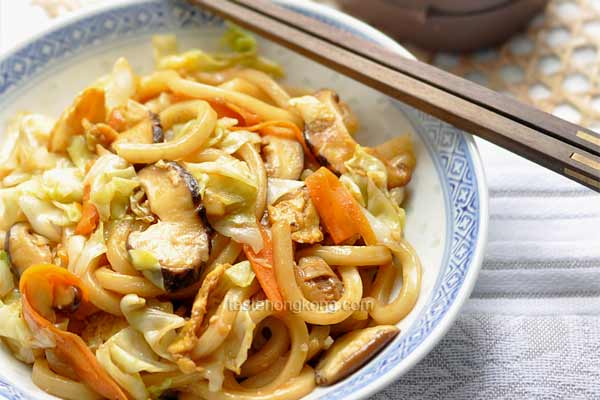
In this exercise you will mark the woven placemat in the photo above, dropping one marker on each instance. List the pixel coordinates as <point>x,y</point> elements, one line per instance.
<point>553,64</point>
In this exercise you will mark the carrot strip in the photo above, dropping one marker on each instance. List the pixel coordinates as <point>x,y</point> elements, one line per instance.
<point>39,286</point>
<point>230,110</point>
<point>262,265</point>
<point>340,212</point>
<point>89,219</point>
<point>248,117</point>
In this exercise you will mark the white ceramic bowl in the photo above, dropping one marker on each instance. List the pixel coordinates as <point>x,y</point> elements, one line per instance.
<point>447,210</point>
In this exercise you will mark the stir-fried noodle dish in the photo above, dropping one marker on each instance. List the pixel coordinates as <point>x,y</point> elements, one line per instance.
<point>203,231</point>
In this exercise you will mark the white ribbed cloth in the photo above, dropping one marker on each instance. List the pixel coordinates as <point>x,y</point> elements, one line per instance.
<point>531,329</point>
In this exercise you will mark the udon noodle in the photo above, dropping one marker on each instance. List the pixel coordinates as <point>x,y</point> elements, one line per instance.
<point>201,232</point>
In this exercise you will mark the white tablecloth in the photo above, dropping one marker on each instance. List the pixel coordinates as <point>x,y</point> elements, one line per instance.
<point>531,329</point>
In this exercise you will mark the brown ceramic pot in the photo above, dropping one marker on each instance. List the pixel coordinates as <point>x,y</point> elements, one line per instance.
<point>452,6</point>
<point>453,25</point>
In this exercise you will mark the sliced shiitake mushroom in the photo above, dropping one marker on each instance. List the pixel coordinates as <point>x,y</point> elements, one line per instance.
<point>351,351</point>
<point>158,136</point>
<point>326,134</point>
<point>284,158</point>
<point>177,246</point>
<point>26,248</point>
<point>68,299</point>
<point>172,191</point>
<point>399,158</point>
<point>324,129</point>
<point>317,280</point>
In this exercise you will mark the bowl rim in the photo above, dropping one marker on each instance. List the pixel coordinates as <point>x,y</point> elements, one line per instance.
<point>380,38</point>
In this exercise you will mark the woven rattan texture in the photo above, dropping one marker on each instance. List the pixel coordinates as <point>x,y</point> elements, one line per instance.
<point>553,64</point>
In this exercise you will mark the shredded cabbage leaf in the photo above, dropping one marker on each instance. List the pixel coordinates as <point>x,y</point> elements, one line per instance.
<point>45,219</point>
<point>145,262</point>
<point>243,51</point>
<point>240,274</point>
<point>233,140</point>
<point>230,198</point>
<point>277,188</point>
<point>15,331</point>
<point>79,153</point>
<point>222,128</point>
<point>157,323</point>
<point>82,252</point>
<point>111,180</point>
<point>364,164</point>
<point>7,280</point>
<point>125,355</point>
<point>239,341</point>
<point>239,40</point>
<point>64,185</point>
<point>232,353</point>
<point>24,145</point>
<point>122,84</point>
<point>366,180</point>
<point>49,201</point>
<point>10,212</point>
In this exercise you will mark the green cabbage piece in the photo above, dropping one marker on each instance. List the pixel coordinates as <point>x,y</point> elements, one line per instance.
<point>239,341</point>
<point>7,280</point>
<point>122,85</point>
<point>125,355</point>
<point>82,253</point>
<point>72,211</point>
<point>243,52</point>
<point>14,330</point>
<point>365,164</point>
<point>112,180</point>
<point>79,153</point>
<point>230,184</point>
<point>145,262</point>
<point>29,201</point>
<point>233,140</point>
<point>277,188</point>
<point>24,146</point>
<point>240,274</point>
<point>238,39</point>
<point>231,354</point>
<point>49,202</point>
<point>8,155</point>
<point>366,180</point>
<point>10,212</point>
<point>156,322</point>
<point>381,205</point>
<point>63,184</point>
<point>44,217</point>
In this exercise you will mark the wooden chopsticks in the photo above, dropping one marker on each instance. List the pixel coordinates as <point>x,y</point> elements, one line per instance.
<point>556,144</point>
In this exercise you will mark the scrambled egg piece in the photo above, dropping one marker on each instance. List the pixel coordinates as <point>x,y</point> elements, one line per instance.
<point>298,210</point>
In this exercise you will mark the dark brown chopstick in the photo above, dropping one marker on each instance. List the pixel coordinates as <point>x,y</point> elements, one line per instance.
<point>566,148</point>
